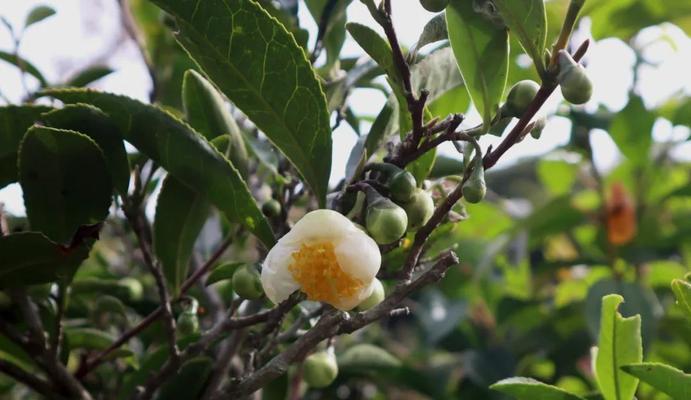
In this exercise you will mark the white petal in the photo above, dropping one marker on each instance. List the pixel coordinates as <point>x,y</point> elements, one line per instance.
<point>321,225</point>
<point>358,255</point>
<point>277,281</point>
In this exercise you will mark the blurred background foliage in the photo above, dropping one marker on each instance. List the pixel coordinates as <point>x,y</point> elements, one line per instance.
<point>555,235</point>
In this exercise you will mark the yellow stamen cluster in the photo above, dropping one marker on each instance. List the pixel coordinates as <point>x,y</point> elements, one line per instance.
<point>316,269</point>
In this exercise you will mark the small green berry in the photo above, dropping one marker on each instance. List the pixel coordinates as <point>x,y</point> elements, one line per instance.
<point>575,85</point>
<point>271,208</point>
<point>520,96</point>
<point>402,185</point>
<point>247,283</point>
<point>187,323</point>
<point>434,5</point>
<point>320,369</point>
<point>475,189</point>
<point>419,209</point>
<point>386,222</point>
<point>377,296</point>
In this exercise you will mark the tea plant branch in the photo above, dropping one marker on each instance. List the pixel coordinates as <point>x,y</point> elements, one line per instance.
<point>37,346</point>
<point>149,319</point>
<point>57,338</point>
<point>135,217</point>
<point>334,323</point>
<point>546,89</point>
<point>39,385</point>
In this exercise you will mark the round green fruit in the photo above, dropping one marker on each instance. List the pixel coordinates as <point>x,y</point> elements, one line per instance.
<point>320,369</point>
<point>247,283</point>
<point>386,222</point>
<point>520,96</point>
<point>271,208</point>
<point>419,209</point>
<point>434,5</point>
<point>475,189</point>
<point>575,85</point>
<point>187,323</point>
<point>402,185</point>
<point>377,296</point>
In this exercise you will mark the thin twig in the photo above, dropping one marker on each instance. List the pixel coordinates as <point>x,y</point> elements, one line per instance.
<point>39,385</point>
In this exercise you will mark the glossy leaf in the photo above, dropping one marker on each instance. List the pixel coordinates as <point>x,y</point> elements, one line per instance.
<point>190,380</point>
<point>482,53</point>
<point>14,121</point>
<point>65,180</point>
<point>182,152</point>
<point>619,344</point>
<point>31,258</point>
<point>223,272</point>
<point>180,216</point>
<point>529,389</point>
<point>24,65</point>
<point>260,68</point>
<point>89,75</point>
<point>527,21</point>
<point>631,130</point>
<point>38,14</point>
<point>95,124</point>
<point>208,114</point>
<point>662,377</point>
<point>682,292</point>
<point>376,47</point>
<point>367,356</point>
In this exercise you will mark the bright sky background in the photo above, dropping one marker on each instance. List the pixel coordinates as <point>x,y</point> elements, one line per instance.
<point>86,32</point>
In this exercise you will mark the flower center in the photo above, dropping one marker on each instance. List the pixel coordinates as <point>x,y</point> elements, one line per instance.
<point>316,269</point>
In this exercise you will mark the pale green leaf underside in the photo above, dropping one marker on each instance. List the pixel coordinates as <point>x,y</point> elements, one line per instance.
<point>252,58</point>
<point>663,377</point>
<point>529,389</point>
<point>619,344</point>
<point>527,21</point>
<point>482,53</point>
<point>183,152</point>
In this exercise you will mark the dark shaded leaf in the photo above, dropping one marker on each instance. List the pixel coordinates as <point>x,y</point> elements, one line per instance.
<point>14,121</point>
<point>89,75</point>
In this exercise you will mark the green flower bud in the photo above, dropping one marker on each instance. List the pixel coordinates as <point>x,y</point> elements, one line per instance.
<point>247,283</point>
<point>520,96</point>
<point>377,296</point>
<point>187,323</point>
<point>271,208</point>
<point>539,126</point>
<point>419,209</point>
<point>434,5</point>
<point>134,289</point>
<point>320,369</point>
<point>575,85</point>
<point>475,188</point>
<point>402,185</point>
<point>386,222</point>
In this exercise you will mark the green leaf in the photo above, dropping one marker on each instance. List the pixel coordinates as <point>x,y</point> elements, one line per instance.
<point>433,31</point>
<point>223,272</point>
<point>208,114</point>
<point>89,75</point>
<point>529,389</point>
<point>189,382</point>
<point>367,356</point>
<point>422,167</point>
<point>94,123</point>
<point>619,344</point>
<point>631,130</point>
<point>376,47</point>
<point>682,291</point>
<point>184,153</point>
<point>259,66</point>
<point>377,132</point>
<point>88,338</point>
<point>180,216</point>
<point>65,180</point>
<point>527,20</point>
<point>30,258</point>
<point>335,33</point>
<point>557,176</point>
<point>662,377</point>
<point>482,53</point>
<point>38,14</point>
<point>14,121</point>
<point>24,65</point>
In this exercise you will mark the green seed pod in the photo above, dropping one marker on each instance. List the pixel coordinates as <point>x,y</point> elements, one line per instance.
<point>187,323</point>
<point>271,208</point>
<point>434,5</point>
<point>377,296</point>
<point>475,189</point>
<point>539,126</point>
<point>419,209</point>
<point>520,96</point>
<point>386,222</point>
<point>247,283</point>
<point>402,185</point>
<point>575,85</point>
<point>320,369</point>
